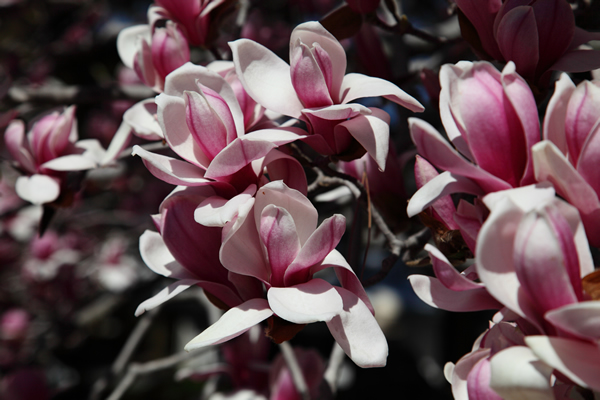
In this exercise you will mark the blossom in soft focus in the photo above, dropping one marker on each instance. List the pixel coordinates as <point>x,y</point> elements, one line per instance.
<point>493,129</point>
<point>539,36</point>
<point>26,383</point>
<point>47,152</point>
<point>14,324</point>
<point>568,155</point>
<point>275,239</point>
<point>189,252</point>
<point>312,367</point>
<point>153,53</point>
<point>315,89</point>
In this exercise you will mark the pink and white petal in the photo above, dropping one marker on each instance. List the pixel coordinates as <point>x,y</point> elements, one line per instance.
<point>277,136</point>
<point>338,111</point>
<point>158,258</point>
<point>556,113</point>
<point>241,250</point>
<point>322,242</point>
<point>185,77</point>
<point>357,332</point>
<point>278,235</point>
<point>581,319</point>
<point>17,145</point>
<point>71,162</point>
<point>478,382</point>
<point>525,198</point>
<point>172,120</point>
<point>447,274</point>
<point>117,144</point>
<point>37,189</point>
<point>236,156</point>
<point>433,293</point>
<point>495,250</point>
<point>142,118</point>
<point>520,96</point>
<point>281,166</point>
<point>266,77</point>
<point>232,324</point>
<point>590,151</point>
<point>313,32</point>
<point>300,208</point>
<point>358,86</point>
<point>579,361</point>
<point>462,369</point>
<point>171,170</point>
<point>164,295</point>
<point>127,42</point>
<point>313,301</point>
<point>372,132</point>
<point>345,275</point>
<point>432,146</point>
<point>442,185</point>
<point>516,373</point>
<point>218,211</point>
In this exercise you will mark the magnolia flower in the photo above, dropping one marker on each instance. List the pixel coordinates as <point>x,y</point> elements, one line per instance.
<point>491,119</point>
<point>189,252</point>
<point>203,123</point>
<point>315,89</point>
<point>275,240</point>
<point>539,36</point>
<point>153,53</point>
<point>47,152</point>
<point>194,16</point>
<point>568,156</point>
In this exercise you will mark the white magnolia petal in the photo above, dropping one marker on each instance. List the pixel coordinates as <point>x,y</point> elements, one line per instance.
<point>158,258</point>
<point>37,189</point>
<point>217,211</point>
<point>166,294</point>
<point>357,332</point>
<point>171,170</point>
<point>142,118</point>
<point>313,301</point>
<point>117,144</point>
<point>127,42</point>
<point>518,374</point>
<point>356,86</point>
<point>232,324</point>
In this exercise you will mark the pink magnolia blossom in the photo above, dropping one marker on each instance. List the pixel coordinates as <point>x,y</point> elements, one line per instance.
<point>153,53</point>
<point>47,152</point>
<point>194,16</point>
<point>203,123</point>
<point>275,240</point>
<point>539,36</point>
<point>189,252</point>
<point>312,367</point>
<point>568,155</point>
<point>491,119</point>
<point>315,89</point>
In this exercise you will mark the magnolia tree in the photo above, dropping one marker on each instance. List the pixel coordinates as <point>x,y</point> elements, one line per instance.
<point>249,171</point>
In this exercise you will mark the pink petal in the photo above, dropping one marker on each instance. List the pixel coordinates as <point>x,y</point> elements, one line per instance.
<point>313,301</point>
<point>237,155</point>
<point>433,293</point>
<point>442,185</point>
<point>300,208</point>
<point>278,234</point>
<point>314,32</point>
<point>265,77</point>
<point>127,42</point>
<point>517,37</point>
<point>232,324</point>
<point>172,120</point>
<point>171,170</point>
<point>447,274</point>
<point>142,118</point>
<point>322,241</point>
<point>460,373</point>
<point>581,319</point>
<point>478,382</point>
<point>581,118</point>
<point>517,373</point>
<point>579,361</point>
<point>482,17</point>
<point>372,132</point>
<point>209,128</point>
<point>218,211</point>
<point>17,145</point>
<point>556,113</point>
<point>280,166</point>
<point>308,78</point>
<point>357,332</point>
<point>358,86</point>
<point>432,146</point>
<point>578,61</point>
<point>158,258</point>
<point>556,28</point>
<point>164,295</point>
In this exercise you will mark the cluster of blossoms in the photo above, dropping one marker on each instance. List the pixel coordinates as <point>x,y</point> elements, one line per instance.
<point>513,204</point>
